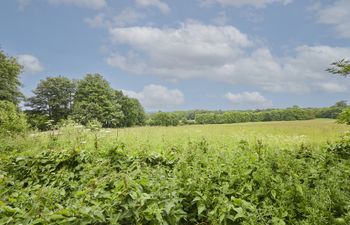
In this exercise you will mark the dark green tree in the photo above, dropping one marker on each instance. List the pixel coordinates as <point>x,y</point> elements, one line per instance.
<point>53,97</point>
<point>341,67</point>
<point>134,114</point>
<point>9,79</point>
<point>341,104</point>
<point>95,100</point>
<point>163,119</point>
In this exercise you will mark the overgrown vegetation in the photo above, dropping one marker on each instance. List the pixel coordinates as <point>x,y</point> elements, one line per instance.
<point>11,120</point>
<point>80,176</point>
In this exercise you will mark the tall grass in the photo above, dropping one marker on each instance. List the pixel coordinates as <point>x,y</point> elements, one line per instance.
<point>255,173</point>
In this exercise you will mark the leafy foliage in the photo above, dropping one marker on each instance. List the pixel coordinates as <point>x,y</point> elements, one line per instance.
<point>9,79</point>
<point>11,120</point>
<point>163,119</point>
<point>227,117</point>
<point>53,98</point>
<point>134,114</point>
<point>66,180</point>
<point>341,67</point>
<point>344,117</point>
<point>95,100</point>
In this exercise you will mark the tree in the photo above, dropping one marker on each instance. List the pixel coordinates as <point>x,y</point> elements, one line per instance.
<point>341,104</point>
<point>341,67</point>
<point>53,97</point>
<point>9,79</point>
<point>11,119</point>
<point>95,100</point>
<point>164,119</point>
<point>133,111</point>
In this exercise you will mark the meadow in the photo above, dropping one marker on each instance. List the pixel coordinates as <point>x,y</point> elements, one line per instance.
<point>295,172</point>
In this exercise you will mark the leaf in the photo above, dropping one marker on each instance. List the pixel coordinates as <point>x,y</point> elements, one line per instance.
<point>201,208</point>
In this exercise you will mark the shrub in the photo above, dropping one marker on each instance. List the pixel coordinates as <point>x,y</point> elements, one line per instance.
<point>11,120</point>
<point>344,116</point>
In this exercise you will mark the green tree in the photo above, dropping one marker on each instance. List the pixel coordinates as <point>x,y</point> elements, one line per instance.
<point>341,104</point>
<point>341,67</point>
<point>344,117</point>
<point>11,119</point>
<point>164,119</point>
<point>134,114</point>
<point>9,79</point>
<point>95,100</point>
<point>53,97</point>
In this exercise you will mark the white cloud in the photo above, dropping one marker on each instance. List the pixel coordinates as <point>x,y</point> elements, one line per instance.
<point>30,63</point>
<point>92,4</point>
<point>221,53</point>
<point>126,17</point>
<point>163,7</point>
<point>178,53</point>
<point>157,97</point>
<point>238,3</point>
<point>331,87</point>
<point>248,99</point>
<point>337,15</point>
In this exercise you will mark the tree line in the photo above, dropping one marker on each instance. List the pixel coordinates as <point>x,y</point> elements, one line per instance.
<point>59,98</point>
<point>226,117</point>
<point>91,98</point>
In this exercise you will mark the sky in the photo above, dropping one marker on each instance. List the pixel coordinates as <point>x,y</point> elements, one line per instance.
<point>186,54</point>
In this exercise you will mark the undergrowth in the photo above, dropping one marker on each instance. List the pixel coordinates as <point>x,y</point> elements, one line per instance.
<point>72,177</point>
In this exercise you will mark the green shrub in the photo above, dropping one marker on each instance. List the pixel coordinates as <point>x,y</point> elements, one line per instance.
<point>38,121</point>
<point>344,116</point>
<point>11,120</point>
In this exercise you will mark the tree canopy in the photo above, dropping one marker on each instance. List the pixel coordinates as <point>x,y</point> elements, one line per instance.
<point>95,100</point>
<point>341,67</point>
<point>53,97</point>
<point>9,79</point>
<point>134,114</point>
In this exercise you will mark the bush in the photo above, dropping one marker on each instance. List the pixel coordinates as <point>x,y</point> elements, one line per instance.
<point>11,120</point>
<point>344,116</point>
<point>38,121</point>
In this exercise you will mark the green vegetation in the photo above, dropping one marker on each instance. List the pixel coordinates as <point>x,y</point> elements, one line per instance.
<point>11,120</point>
<point>9,79</point>
<point>227,117</point>
<point>252,173</point>
<point>58,98</point>
<point>341,67</point>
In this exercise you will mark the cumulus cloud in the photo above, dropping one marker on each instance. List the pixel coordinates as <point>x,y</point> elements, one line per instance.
<point>336,14</point>
<point>221,53</point>
<point>332,87</point>
<point>238,3</point>
<point>126,17</point>
<point>248,99</point>
<point>162,6</point>
<point>92,4</point>
<point>157,97</point>
<point>30,63</point>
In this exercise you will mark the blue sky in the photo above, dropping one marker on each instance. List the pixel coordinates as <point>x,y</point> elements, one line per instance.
<point>186,54</point>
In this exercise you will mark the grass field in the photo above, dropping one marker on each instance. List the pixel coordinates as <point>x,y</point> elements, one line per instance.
<point>253,173</point>
<point>284,133</point>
